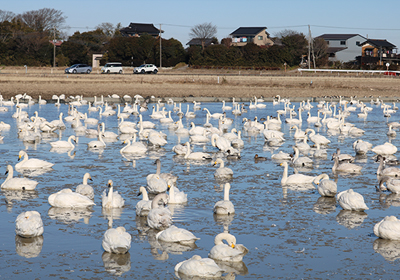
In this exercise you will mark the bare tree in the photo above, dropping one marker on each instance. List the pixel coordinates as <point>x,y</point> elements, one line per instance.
<point>203,31</point>
<point>6,16</point>
<point>44,19</point>
<point>320,51</point>
<point>107,28</point>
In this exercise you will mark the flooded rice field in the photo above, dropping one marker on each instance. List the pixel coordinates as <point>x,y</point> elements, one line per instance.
<point>290,232</point>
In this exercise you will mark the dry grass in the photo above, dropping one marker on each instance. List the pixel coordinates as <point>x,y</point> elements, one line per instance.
<point>185,82</point>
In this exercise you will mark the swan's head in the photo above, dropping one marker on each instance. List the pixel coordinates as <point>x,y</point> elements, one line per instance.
<point>110,183</point>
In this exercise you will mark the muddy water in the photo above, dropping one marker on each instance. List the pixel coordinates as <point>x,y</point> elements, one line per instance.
<point>290,233</point>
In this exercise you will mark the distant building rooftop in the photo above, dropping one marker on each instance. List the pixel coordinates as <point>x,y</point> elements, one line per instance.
<point>137,29</point>
<point>246,31</point>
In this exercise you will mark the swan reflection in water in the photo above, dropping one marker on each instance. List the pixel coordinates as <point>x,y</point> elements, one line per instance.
<point>34,172</point>
<point>69,216</point>
<point>237,268</point>
<point>350,219</point>
<point>325,205</point>
<point>392,199</point>
<point>14,195</point>
<point>116,264</point>
<point>28,247</point>
<point>389,249</point>
<point>110,214</point>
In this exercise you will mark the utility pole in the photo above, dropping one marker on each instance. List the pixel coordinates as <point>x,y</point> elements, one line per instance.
<point>54,49</point>
<point>309,47</point>
<point>160,48</point>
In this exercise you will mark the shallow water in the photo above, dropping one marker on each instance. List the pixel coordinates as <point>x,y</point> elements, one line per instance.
<point>290,233</point>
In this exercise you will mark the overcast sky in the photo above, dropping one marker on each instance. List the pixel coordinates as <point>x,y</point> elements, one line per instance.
<point>372,19</point>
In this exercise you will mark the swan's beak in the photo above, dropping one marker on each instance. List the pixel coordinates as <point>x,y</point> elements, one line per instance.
<point>6,172</point>
<point>139,193</point>
<point>280,164</point>
<point>90,178</point>
<point>169,186</point>
<point>233,245</point>
<point>19,157</point>
<point>317,183</point>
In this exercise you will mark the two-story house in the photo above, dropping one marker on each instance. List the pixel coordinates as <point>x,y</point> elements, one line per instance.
<point>256,35</point>
<point>138,29</point>
<point>343,47</point>
<point>378,52</point>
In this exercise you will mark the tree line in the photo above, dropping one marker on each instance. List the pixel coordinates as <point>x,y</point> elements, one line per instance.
<point>26,39</point>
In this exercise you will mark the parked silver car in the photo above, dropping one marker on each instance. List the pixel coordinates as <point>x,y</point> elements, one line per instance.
<point>79,68</point>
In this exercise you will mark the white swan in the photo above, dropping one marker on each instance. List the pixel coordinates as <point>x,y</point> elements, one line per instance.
<point>156,139</point>
<point>325,187</point>
<point>108,134</point>
<point>281,156</point>
<point>198,267</point>
<point>351,200</point>
<point>175,195</point>
<point>317,138</point>
<point>385,149</point>
<point>176,235</point>
<point>29,224</point>
<point>238,142</point>
<point>66,198</point>
<point>389,171</point>
<point>299,134</point>
<point>159,217</point>
<point>224,207</point>
<point>220,142</point>
<point>222,172</point>
<point>11,183</point>
<point>295,179</point>
<point>64,144</point>
<point>301,161</point>
<point>97,144</point>
<point>196,155</point>
<point>113,199</point>
<point>143,207</point>
<point>84,188</point>
<point>388,228</point>
<point>393,185</point>
<point>32,163</point>
<point>230,252</point>
<point>134,147</point>
<point>344,167</point>
<point>116,240</point>
<point>361,147</point>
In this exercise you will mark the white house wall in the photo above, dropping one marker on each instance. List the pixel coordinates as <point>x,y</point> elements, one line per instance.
<point>352,50</point>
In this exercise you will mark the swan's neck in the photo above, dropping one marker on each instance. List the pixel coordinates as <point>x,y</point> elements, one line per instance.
<point>25,155</point>
<point>171,194</point>
<point>85,178</point>
<point>101,139</point>
<point>213,137</point>
<point>285,174</point>
<point>10,174</point>
<point>336,164</point>
<point>230,239</point>
<point>188,150</point>
<point>70,142</point>
<point>110,194</point>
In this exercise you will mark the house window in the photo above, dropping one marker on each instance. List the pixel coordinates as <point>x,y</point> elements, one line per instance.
<point>357,43</point>
<point>260,37</point>
<point>343,42</point>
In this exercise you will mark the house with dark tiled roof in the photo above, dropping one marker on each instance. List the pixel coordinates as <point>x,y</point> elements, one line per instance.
<point>343,47</point>
<point>198,42</point>
<point>138,29</point>
<point>378,52</point>
<point>256,35</point>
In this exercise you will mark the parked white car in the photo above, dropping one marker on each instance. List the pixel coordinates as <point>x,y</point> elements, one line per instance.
<point>145,68</point>
<point>112,67</point>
